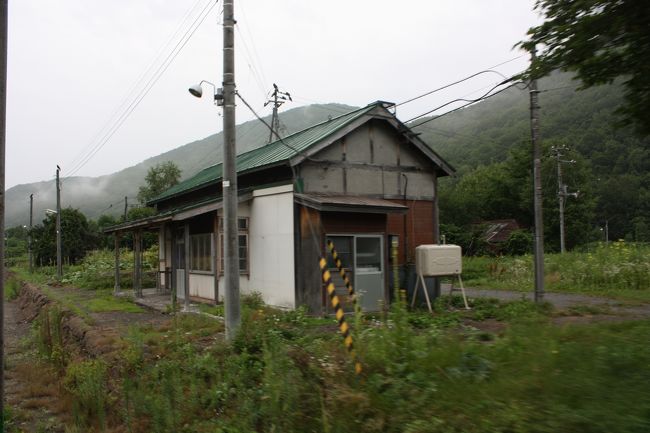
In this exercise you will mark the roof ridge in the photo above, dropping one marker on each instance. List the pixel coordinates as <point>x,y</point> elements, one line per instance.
<point>332,119</point>
<point>270,150</point>
<point>295,133</point>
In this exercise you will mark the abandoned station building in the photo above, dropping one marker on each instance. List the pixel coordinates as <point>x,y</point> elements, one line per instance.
<point>360,179</point>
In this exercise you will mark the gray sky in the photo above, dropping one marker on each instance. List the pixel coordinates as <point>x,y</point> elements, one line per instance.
<point>72,64</point>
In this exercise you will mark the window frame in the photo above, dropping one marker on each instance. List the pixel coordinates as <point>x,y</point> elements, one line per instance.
<point>206,252</point>
<point>242,230</point>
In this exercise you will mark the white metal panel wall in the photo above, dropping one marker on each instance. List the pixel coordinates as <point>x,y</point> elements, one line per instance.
<point>202,285</point>
<point>272,246</point>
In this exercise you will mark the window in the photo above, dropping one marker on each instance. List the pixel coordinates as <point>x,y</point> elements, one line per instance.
<point>242,226</point>
<point>343,247</point>
<point>201,252</point>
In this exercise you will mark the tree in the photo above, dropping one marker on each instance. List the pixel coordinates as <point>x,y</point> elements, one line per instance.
<point>77,237</point>
<point>601,41</point>
<point>159,178</point>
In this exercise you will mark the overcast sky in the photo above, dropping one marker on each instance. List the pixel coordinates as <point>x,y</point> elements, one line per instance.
<point>73,63</point>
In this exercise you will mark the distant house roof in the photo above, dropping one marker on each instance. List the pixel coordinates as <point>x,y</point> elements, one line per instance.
<point>499,230</point>
<point>281,151</point>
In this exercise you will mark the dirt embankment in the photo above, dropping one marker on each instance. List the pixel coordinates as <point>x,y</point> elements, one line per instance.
<point>92,341</point>
<point>34,389</point>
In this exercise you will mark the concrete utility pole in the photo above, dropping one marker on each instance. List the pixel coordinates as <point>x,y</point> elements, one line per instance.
<point>59,262</point>
<point>229,184</point>
<point>279,98</point>
<point>29,235</point>
<point>562,193</point>
<point>537,183</point>
<point>3,129</point>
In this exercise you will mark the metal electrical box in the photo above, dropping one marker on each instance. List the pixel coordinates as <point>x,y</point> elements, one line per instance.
<point>438,260</point>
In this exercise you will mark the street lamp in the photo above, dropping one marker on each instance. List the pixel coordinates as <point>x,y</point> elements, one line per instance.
<point>230,202</point>
<point>197,90</point>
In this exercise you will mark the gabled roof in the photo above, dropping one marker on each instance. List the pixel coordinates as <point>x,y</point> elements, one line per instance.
<point>293,147</point>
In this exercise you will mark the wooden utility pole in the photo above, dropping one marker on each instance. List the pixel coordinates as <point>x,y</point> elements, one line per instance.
<point>229,183</point>
<point>126,207</point>
<point>279,98</point>
<point>59,262</point>
<point>29,234</point>
<point>537,184</point>
<point>3,129</point>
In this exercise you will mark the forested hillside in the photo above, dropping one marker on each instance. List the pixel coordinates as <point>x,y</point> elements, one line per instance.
<point>489,144</point>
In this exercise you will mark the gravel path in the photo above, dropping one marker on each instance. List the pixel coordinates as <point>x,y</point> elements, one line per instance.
<point>562,301</point>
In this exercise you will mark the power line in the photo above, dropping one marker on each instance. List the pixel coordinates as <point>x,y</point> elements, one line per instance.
<point>274,132</point>
<point>123,106</point>
<point>154,79</point>
<point>251,63</point>
<point>252,40</point>
<point>487,95</point>
<point>135,85</point>
<point>486,71</point>
<point>145,91</point>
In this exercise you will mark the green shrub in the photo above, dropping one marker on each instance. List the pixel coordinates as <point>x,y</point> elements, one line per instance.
<point>12,288</point>
<point>97,270</point>
<point>620,269</point>
<point>86,381</point>
<point>49,332</point>
<point>519,242</point>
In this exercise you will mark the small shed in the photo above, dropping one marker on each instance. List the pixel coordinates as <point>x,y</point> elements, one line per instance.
<point>360,179</point>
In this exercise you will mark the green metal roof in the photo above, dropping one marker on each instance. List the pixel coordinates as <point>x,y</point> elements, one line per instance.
<point>270,154</point>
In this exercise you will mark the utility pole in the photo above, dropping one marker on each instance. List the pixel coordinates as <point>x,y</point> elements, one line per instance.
<point>279,98</point>
<point>59,263</point>
<point>29,235</point>
<point>537,184</point>
<point>229,183</point>
<point>126,207</point>
<point>562,193</point>
<point>3,130</point>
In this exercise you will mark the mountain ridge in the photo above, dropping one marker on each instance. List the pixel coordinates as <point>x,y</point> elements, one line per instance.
<point>105,194</point>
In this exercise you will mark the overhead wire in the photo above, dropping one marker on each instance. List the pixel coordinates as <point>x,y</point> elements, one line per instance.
<point>485,71</point>
<point>487,95</point>
<point>135,85</point>
<point>182,42</point>
<point>251,63</point>
<point>252,40</point>
<point>446,86</point>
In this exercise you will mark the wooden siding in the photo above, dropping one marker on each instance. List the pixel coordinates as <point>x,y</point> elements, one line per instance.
<point>419,227</point>
<point>374,160</point>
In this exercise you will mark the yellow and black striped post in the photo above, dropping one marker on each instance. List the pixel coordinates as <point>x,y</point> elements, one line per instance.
<point>344,275</point>
<point>340,316</point>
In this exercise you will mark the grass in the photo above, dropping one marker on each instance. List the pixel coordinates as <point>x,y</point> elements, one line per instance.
<point>619,271</point>
<point>81,302</point>
<point>419,375</point>
<point>500,367</point>
<point>12,288</point>
<point>108,302</point>
<point>441,373</point>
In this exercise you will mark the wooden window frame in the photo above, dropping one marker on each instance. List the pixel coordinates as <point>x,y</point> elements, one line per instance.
<point>243,230</point>
<point>205,259</point>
